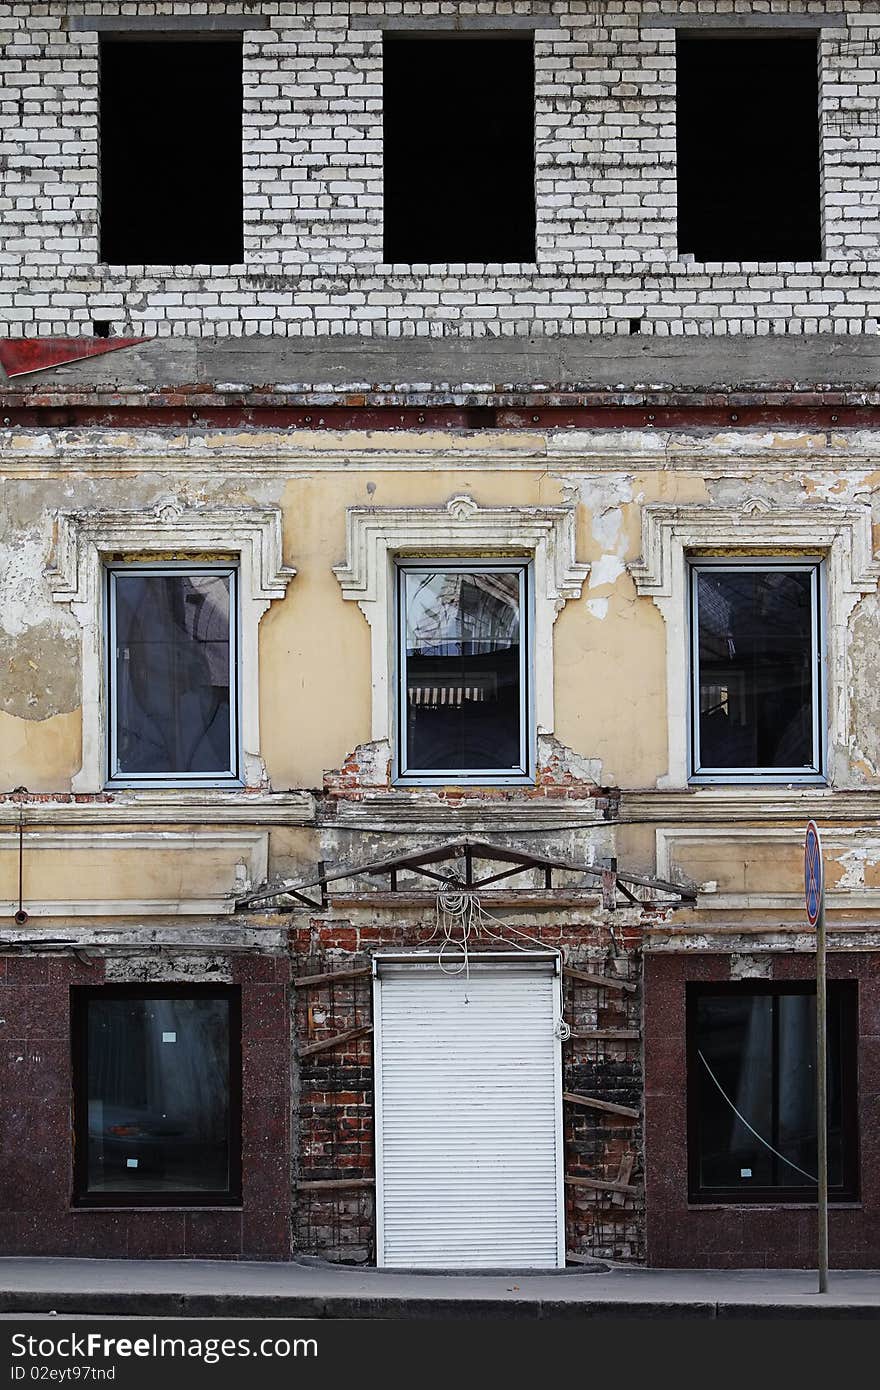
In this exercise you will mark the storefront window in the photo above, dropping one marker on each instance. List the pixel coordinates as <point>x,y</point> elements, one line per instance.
<point>157,1096</point>
<point>752,1091</point>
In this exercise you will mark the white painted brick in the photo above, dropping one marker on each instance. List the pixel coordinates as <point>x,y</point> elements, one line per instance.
<point>312,162</point>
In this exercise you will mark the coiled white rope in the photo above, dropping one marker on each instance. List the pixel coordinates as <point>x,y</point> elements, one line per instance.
<point>458,916</point>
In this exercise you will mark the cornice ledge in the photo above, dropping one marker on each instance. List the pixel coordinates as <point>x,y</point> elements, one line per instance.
<point>168,808</point>
<point>408,814</point>
<point>702,806</point>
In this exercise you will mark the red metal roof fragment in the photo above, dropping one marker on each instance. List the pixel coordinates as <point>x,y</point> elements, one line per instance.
<point>21,355</point>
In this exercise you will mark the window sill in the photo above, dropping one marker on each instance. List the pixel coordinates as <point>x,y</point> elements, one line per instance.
<point>745,781</point>
<point>140,270</point>
<point>184,1206</point>
<point>845,1204</point>
<point>447,784</point>
<point>228,784</point>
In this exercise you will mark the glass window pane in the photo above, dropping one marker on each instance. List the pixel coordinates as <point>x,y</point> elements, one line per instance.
<point>755,668</point>
<point>171,669</point>
<point>756,1081</point>
<point>158,1095</point>
<point>463,697</point>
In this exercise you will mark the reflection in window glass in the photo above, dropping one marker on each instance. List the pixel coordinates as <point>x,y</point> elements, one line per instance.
<point>756,682</point>
<point>170,685</point>
<point>157,1095</point>
<point>463,684</point>
<point>754,1070</point>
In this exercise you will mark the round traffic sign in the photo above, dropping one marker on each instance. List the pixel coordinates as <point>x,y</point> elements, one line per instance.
<point>814,873</point>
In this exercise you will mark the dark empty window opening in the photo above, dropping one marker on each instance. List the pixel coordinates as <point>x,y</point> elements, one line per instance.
<point>101,328</point>
<point>748,149</point>
<point>459,150</point>
<point>171,157</point>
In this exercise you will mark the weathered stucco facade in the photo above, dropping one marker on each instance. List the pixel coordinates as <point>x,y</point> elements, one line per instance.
<point>144,883</point>
<point>611,463</point>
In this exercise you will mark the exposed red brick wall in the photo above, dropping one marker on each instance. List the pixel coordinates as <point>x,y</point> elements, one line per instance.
<point>362,773</point>
<point>36,1139</point>
<point>749,1236</point>
<point>335,1111</point>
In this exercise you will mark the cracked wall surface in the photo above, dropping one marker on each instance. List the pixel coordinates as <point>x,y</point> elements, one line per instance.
<point>609,646</point>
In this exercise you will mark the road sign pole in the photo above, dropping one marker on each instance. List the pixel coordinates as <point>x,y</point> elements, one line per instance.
<point>822,1094</point>
<point>814,897</point>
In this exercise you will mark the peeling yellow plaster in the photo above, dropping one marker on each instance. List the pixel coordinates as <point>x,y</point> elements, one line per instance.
<point>315,677</point>
<point>610,686</point>
<point>41,755</point>
<point>385,442</point>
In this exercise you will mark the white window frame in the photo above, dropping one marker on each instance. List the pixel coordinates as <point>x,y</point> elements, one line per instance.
<point>378,537</point>
<point>759,565</point>
<point>231,777</point>
<point>84,543</point>
<point>673,534</point>
<point>524,773</point>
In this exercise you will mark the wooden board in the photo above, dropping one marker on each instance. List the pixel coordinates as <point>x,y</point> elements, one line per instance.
<point>607,1034</point>
<point>325,1044</point>
<point>605,981</point>
<point>335,1184</point>
<point>624,1173</point>
<point>596,1186</point>
<point>332,977</point>
<point>595,1104</point>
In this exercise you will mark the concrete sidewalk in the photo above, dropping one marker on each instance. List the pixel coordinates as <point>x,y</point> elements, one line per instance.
<point>215,1288</point>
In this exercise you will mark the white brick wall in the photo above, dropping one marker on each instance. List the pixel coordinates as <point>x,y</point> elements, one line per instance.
<point>605,152</point>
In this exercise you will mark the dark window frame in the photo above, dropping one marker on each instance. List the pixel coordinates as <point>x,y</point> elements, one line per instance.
<point>81,995</point>
<point>524,775</point>
<point>233,776</point>
<point>849,1190</point>
<point>817,774</point>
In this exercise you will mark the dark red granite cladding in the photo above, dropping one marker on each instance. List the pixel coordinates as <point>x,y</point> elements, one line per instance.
<point>36,1215</point>
<point>683,1235</point>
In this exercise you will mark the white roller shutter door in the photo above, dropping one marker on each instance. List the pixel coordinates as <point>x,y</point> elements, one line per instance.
<point>469,1116</point>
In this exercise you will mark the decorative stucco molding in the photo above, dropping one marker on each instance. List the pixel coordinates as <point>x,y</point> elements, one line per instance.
<point>254,532</point>
<point>81,541</point>
<point>842,534</point>
<point>376,535</point>
<point>668,531</point>
<point>170,806</point>
<point>852,850</point>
